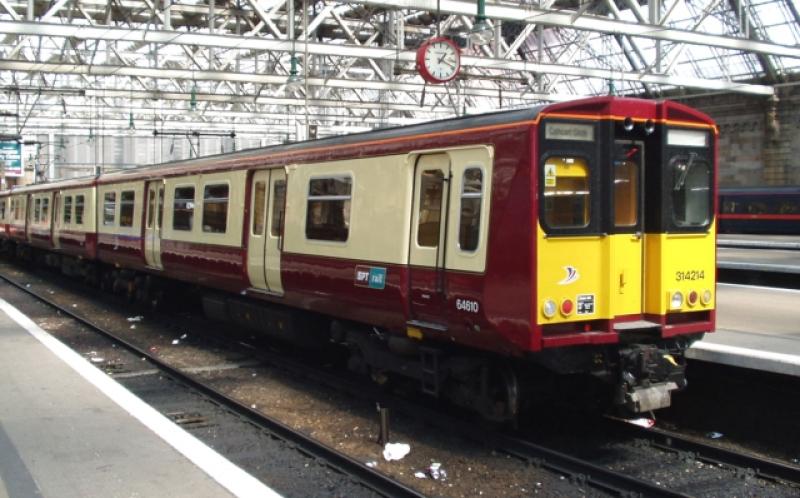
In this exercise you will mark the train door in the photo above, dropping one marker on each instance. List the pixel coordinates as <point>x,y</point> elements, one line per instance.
<point>152,226</point>
<point>274,237</point>
<point>55,216</point>
<point>267,202</point>
<point>256,244</point>
<point>428,243</point>
<point>627,241</point>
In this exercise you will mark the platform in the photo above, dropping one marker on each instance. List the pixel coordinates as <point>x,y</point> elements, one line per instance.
<point>757,327</point>
<point>759,259</point>
<point>68,430</point>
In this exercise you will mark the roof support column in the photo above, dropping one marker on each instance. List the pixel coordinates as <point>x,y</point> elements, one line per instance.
<point>739,9</point>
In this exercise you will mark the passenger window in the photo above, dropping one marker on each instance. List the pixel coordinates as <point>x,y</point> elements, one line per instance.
<point>566,192</point>
<point>278,204</point>
<point>259,202</point>
<point>691,185</point>
<point>68,209</point>
<point>127,200</point>
<point>45,210</point>
<point>79,209</point>
<point>626,185</point>
<point>183,209</point>
<point>328,210</point>
<point>430,207</point>
<point>215,208</point>
<point>471,200</point>
<point>3,209</point>
<point>37,210</point>
<point>109,208</point>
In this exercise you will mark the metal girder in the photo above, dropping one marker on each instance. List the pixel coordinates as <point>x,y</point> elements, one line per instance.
<point>225,41</point>
<point>356,58</point>
<point>566,19</point>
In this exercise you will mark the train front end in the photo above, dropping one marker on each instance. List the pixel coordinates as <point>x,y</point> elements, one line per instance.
<point>625,243</point>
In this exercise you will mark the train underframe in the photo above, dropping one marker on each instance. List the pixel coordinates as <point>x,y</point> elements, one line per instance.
<point>635,376</point>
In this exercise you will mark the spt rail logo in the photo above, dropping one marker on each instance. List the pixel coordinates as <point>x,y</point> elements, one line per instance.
<point>572,275</point>
<point>370,276</point>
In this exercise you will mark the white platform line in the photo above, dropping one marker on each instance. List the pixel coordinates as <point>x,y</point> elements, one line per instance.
<point>759,287</point>
<point>219,468</point>
<point>745,357</point>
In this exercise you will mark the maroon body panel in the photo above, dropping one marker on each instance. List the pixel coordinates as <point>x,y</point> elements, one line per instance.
<point>120,250</point>
<point>77,244</point>
<point>222,267</point>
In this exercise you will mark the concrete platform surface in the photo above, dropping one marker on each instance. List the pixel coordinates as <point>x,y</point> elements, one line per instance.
<point>757,327</point>
<point>762,260</point>
<point>68,430</point>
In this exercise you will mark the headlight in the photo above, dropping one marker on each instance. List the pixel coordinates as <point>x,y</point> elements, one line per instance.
<point>706,297</point>
<point>549,308</point>
<point>676,300</point>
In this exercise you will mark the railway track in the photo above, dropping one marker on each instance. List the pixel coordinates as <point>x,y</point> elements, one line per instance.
<point>580,471</point>
<point>749,464</point>
<point>369,478</point>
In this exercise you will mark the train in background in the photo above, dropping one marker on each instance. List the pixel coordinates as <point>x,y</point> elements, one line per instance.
<point>478,257</point>
<point>760,210</point>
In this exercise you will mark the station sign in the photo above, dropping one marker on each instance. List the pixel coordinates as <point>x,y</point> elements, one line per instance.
<point>11,158</point>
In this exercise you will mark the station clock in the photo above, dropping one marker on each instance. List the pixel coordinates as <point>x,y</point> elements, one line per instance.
<point>438,60</point>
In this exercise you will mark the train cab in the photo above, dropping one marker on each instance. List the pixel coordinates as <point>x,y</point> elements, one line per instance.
<point>625,232</point>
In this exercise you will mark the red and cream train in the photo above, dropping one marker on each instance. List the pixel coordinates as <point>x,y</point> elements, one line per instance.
<point>466,254</point>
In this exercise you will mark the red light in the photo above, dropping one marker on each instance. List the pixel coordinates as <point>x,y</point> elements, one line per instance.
<point>566,306</point>
<point>692,298</point>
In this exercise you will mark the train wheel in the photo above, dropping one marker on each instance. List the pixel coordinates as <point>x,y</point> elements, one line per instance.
<point>500,394</point>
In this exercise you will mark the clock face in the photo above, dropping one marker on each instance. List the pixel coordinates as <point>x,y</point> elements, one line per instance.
<point>439,60</point>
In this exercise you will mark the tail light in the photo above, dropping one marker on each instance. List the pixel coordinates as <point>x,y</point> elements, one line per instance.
<point>567,307</point>
<point>692,298</point>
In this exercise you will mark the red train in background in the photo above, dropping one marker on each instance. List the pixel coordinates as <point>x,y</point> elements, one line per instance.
<point>478,256</point>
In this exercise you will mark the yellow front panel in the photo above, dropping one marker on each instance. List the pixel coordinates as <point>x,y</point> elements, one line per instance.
<point>603,270</point>
<point>626,277</point>
<point>679,262</point>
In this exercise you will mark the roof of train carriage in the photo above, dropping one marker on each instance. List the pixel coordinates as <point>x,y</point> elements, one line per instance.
<point>593,105</point>
<point>444,125</point>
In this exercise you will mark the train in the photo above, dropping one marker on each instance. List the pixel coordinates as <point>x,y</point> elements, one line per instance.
<point>472,257</point>
<point>760,210</point>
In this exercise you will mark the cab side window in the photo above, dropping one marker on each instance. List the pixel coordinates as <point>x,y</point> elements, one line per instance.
<point>567,194</point>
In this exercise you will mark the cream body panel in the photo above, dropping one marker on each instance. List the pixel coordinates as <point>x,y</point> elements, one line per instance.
<point>115,229</point>
<point>380,211</point>
<point>236,192</point>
